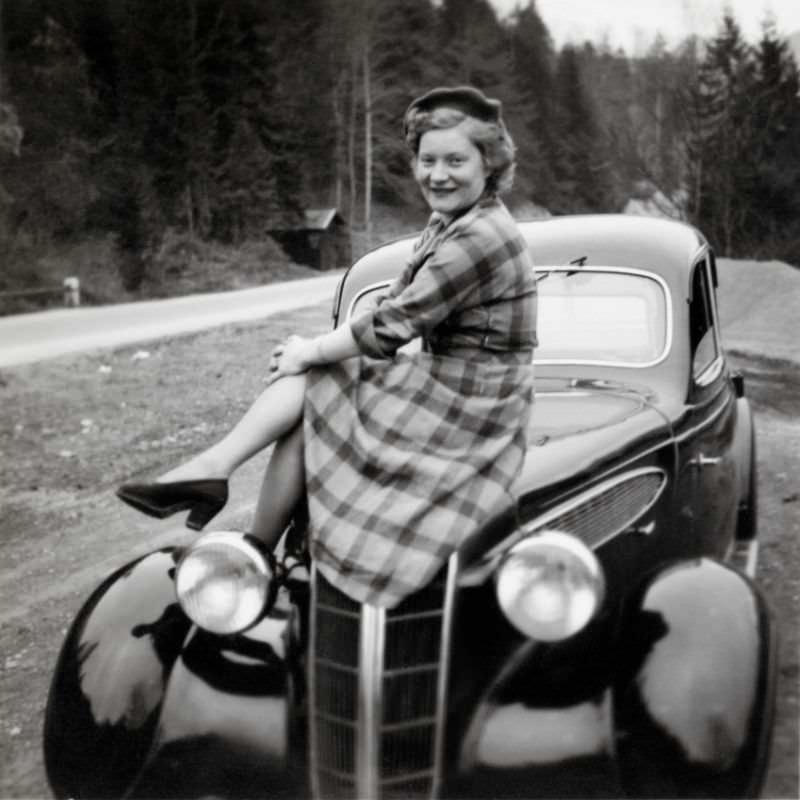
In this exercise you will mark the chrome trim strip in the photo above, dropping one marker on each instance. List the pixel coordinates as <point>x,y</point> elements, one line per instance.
<point>408,725</point>
<point>370,663</point>
<point>690,433</point>
<point>475,575</point>
<point>711,372</point>
<point>409,776</point>
<point>743,555</point>
<point>341,612</point>
<point>444,672</point>
<point>345,777</point>
<point>334,665</point>
<point>313,743</point>
<point>343,721</point>
<point>751,563</point>
<point>427,666</point>
<point>366,290</point>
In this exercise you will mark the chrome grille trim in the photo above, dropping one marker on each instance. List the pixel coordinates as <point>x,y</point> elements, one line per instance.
<point>444,672</point>
<point>390,741</point>
<point>643,485</point>
<point>370,708</point>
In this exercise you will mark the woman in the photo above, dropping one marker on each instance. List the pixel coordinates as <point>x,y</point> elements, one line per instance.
<point>403,457</point>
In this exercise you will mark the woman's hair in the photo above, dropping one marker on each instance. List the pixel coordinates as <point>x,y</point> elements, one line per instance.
<point>491,138</point>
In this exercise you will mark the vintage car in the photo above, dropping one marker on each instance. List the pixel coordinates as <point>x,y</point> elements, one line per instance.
<point>603,636</point>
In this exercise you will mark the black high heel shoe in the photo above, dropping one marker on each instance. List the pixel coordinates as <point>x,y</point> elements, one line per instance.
<point>204,498</point>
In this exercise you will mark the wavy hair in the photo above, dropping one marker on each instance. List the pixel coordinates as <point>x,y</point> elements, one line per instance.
<point>491,138</point>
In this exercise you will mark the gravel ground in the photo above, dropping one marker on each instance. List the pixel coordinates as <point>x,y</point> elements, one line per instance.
<point>73,428</point>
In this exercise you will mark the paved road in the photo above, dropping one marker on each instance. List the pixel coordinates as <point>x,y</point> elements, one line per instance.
<point>31,337</point>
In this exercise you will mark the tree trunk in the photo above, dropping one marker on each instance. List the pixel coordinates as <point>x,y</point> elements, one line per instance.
<point>337,101</point>
<point>367,145</point>
<point>2,55</point>
<point>189,207</point>
<point>351,141</point>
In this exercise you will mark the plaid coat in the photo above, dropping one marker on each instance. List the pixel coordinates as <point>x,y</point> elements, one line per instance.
<point>407,456</point>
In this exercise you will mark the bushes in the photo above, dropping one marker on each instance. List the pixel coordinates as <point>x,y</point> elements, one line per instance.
<point>181,264</point>
<point>184,264</point>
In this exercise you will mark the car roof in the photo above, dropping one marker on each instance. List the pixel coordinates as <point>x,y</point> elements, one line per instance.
<point>667,247</point>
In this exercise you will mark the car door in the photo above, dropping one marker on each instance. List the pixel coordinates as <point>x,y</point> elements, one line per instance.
<point>707,476</point>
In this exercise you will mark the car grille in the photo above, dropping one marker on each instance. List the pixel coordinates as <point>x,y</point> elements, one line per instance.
<point>594,516</point>
<point>606,510</point>
<point>377,681</point>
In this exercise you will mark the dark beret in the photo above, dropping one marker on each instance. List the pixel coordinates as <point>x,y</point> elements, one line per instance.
<point>462,98</point>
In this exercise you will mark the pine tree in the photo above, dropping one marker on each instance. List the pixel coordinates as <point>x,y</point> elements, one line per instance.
<point>721,140</point>
<point>405,60</point>
<point>531,116</point>
<point>475,46</point>
<point>774,193</point>
<point>581,166</point>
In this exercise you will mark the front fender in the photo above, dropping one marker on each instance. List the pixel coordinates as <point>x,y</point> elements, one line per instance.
<point>694,699</point>
<point>110,680</point>
<point>142,704</point>
<point>545,725</point>
<point>228,726</point>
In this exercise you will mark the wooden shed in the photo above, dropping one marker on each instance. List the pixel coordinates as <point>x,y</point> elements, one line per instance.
<point>321,240</point>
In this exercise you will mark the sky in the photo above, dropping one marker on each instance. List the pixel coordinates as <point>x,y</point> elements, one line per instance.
<point>633,24</point>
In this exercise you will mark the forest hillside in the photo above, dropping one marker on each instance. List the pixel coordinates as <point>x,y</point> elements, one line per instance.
<point>154,149</point>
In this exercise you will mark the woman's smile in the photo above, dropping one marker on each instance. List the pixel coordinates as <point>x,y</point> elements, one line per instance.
<point>450,170</point>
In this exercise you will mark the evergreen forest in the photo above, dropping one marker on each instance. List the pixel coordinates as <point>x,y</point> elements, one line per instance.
<point>214,122</point>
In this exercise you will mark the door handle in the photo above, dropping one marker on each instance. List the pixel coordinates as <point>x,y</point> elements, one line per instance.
<point>701,461</point>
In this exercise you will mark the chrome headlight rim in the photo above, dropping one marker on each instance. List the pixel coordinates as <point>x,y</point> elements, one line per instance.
<point>567,603</point>
<point>255,558</point>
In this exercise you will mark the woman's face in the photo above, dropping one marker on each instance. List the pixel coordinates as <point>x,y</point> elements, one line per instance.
<point>449,169</point>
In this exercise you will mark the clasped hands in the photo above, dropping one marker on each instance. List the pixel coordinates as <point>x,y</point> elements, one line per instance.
<point>291,357</point>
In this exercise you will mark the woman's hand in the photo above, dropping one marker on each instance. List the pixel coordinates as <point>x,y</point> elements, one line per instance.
<point>290,358</point>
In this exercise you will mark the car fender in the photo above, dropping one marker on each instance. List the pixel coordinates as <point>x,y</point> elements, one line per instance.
<point>543,727</point>
<point>142,703</point>
<point>110,679</point>
<point>695,690</point>
<point>227,726</point>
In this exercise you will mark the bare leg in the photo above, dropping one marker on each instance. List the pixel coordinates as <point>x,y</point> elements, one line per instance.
<point>281,489</point>
<point>275,412</point>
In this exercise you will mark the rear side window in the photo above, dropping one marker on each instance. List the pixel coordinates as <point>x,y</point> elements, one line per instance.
<point>702,322</point>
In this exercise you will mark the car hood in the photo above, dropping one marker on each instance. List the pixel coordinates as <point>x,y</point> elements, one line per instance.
<point>579,427</point>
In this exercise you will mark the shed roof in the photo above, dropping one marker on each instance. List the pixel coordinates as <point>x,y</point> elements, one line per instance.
<point>318,219</point>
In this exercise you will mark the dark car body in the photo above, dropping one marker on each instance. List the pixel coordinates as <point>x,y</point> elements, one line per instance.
<point>641,447</point>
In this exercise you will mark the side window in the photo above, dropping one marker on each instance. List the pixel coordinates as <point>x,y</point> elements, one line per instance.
<point>703,334</point>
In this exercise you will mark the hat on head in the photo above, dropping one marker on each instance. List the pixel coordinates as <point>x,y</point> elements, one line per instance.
<point>467,99</point>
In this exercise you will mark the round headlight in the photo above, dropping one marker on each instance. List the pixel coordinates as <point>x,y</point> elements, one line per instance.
<point>224,582</point>
<point>549,586</point>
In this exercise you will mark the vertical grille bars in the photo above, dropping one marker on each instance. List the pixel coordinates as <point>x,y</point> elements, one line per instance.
<point>378,683</point>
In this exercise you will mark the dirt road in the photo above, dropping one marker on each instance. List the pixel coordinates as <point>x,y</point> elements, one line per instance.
<point>25,338</point>
<point>73,427</point>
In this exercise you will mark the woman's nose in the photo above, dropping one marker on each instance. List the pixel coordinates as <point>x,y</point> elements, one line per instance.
<point>438,172</point>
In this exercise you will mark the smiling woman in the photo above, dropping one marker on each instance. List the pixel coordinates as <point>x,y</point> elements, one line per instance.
<point>469,292</point>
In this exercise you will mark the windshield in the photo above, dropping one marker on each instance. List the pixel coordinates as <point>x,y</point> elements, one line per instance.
<point>590,315</point>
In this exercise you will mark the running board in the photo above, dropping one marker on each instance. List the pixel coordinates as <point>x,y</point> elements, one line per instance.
<point>744,556</point>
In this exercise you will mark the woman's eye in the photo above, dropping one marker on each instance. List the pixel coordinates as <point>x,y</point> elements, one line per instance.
<point>455,162</point>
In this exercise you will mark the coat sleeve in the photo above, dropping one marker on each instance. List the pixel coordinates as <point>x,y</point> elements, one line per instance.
<point>442,284</point>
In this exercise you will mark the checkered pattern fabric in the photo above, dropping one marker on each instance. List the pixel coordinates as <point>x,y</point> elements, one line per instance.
<point>408,456</point>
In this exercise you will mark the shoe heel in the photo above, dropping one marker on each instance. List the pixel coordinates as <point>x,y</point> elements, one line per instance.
<point>201,514</point>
